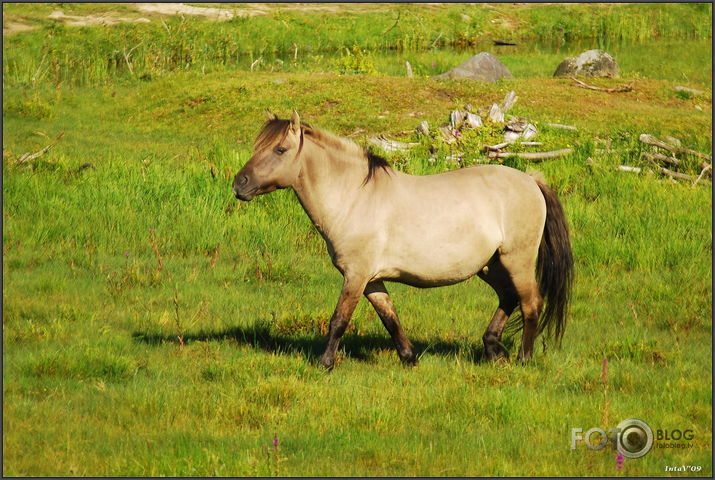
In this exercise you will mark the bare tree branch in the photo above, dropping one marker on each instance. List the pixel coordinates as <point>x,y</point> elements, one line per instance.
<point>651,140</point>
<point>622,88</point>
<point>26,157</point>
<point>532,156</point>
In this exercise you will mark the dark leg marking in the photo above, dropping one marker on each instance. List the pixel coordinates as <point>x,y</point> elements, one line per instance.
<point>499,279</point>
<point>377,294</point>
<point>349,297</point>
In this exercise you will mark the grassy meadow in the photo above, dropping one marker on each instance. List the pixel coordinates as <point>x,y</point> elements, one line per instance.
<point>154,325</point>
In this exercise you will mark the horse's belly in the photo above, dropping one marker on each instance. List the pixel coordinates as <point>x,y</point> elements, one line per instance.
<point>437,267</point>
<point>426,281</point>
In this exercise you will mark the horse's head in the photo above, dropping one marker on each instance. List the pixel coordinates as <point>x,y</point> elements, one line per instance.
<point>274,163</point>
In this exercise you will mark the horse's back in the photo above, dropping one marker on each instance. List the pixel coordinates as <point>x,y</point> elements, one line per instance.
<point>487,192</point>
<point>443,228</point>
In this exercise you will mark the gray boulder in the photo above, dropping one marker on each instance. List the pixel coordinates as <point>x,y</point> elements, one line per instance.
<point>591,63</point>
<point>482,67</point>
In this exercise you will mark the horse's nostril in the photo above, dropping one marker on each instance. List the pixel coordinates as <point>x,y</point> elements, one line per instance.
<point>243,180</point>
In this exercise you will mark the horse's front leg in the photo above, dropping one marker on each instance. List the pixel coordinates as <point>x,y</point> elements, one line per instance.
<point>377,294</point>
<point>349,297</point>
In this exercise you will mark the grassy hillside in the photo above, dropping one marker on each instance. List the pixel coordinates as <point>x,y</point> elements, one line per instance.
<point>154,325</point>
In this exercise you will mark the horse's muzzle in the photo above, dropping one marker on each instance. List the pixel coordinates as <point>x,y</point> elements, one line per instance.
<point>239,188</point>
<point>244,197</point>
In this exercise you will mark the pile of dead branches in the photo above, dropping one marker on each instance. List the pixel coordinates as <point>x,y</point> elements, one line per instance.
<point>668,156</point>
<point>516,131</point>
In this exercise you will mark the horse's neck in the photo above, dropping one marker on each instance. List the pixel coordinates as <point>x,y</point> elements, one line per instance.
<point>328,185</point>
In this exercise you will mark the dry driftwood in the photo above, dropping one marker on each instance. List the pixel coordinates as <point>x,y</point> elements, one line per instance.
<point>677,175</point>
<point>423,128</point>
<point>563,127</point>
<point>532,156</point>
<point>459,118</point>
<point>692,91</point>
<point>390,145</point>
<point>672,140</point>
<point>528,132</point>
<point>499,146</point>
<point>26,157</point>
<point>708,168</point>
<point>495,114</point>
<point>622,88</point>
<point>651,140</point>
<point>627,168</point>
<point>509,101</point>
<point>447,134</point>
<point>408,67</point>
<point>659,157</point>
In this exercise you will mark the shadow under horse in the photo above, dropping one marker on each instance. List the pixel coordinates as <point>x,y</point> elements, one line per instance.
<point>360,347</point>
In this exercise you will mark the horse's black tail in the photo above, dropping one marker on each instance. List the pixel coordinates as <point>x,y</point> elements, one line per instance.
<point>554,267</point>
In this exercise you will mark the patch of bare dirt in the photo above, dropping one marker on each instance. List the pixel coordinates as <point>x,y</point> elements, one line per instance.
<point>13,26</point>
<point>209,12</point>
<point>108,18</point>
<point>247,10</point>
<point>16,25</point>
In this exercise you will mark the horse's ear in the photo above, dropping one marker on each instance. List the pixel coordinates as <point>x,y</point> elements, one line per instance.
<point>295,122</point>
<point>270,116</point>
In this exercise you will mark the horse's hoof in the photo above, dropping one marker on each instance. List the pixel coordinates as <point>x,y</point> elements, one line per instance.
<point>409,361</point>
<point>523,358</point>
<point>327,363</point>
<point>496,354</point>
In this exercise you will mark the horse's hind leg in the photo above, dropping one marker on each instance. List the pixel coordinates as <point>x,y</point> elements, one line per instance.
<point>531,303</point>
<point>522,270</point>
<point>377,294</point>
<point>520,266</point>
<point>498,278</point>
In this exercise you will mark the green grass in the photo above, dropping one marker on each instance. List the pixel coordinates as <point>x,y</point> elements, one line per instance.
<point>290,40</point>
<point>154,325</point>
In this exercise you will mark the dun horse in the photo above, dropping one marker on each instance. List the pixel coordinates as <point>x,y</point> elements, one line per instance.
<point>426,231</point>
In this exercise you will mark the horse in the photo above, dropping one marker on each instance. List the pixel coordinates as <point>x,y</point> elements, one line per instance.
<point>381,225</point>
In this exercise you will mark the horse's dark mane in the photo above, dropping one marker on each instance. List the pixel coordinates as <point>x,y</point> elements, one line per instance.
<point>276,129</point>
<point>375,162</point>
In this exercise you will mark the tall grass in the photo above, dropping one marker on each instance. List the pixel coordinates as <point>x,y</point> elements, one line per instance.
<point>90,56</point>
<point>614,22</point>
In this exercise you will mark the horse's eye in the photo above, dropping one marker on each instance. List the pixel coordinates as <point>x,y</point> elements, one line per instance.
<point>280,150</point>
